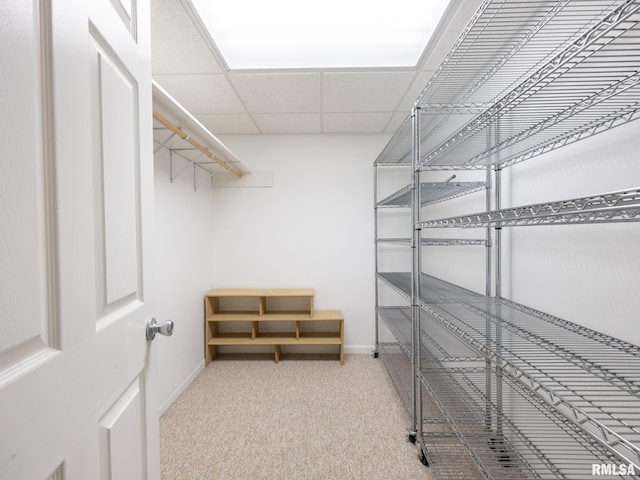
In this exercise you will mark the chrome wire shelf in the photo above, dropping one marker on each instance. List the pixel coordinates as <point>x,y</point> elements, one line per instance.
<point>432,192</point>
<point>505,43</point>
<point>578,92</point>
<point>432,289</point>
<point>437,339</point>
<point>399,282</point>
<point>621,206</point>
<point>502,448</point>
<point>591,378</point>
<point>405,242</point>
<point>447,456</point>
<point>436,242</point>
<point>557,361</point>
<point>438,345</point>
<point>398,321</point>
<point>397,152</point>
<point>398,367</point>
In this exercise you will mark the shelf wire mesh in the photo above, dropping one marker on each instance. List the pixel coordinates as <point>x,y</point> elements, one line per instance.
<point>499,57</point>
<point>592,379</point>
<point>621,206</point>
<point>509,432</point>
<point>531,440</point>
<point>435,242</point>
<point>593,81</point>
<point>447,456</point>
<point>398,150</point>
<point>432,192</point>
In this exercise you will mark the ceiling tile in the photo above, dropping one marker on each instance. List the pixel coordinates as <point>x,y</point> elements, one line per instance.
<point>228,123</point>
<point>355,122</point>
<point>279,92</point>
<point>202,93</point>
<point>364,91</point>
<point>176,45</point>
<point>187,64</point>
<point>289,123</point>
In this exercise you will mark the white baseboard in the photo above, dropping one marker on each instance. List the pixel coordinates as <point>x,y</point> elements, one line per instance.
<point>181,388</point>
<point>359,349</point>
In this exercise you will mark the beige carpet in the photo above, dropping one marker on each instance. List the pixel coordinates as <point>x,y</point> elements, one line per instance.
<point>246,417</point>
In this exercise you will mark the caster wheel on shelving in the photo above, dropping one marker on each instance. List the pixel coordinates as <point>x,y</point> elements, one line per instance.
<point>411,438</point>
<point>376,354</point>
<point>423,459</point>
<point>498,446</point>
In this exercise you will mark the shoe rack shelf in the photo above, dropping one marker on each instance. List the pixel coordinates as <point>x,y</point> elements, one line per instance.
<point>277,316</point>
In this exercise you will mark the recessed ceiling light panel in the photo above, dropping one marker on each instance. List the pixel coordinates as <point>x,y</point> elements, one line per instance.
<point>254,34</point>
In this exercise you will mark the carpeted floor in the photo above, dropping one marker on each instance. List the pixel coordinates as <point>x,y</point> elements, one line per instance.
<point>305,418</point>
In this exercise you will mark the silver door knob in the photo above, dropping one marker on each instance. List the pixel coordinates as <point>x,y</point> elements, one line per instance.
<point>164,328</point>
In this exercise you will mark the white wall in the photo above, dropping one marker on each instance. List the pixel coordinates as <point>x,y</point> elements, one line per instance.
<point>313,228</point>
<point>588,274</point>
<point>184,269</point>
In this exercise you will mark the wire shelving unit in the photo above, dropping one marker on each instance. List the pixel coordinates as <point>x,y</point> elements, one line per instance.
<point>503,389</point>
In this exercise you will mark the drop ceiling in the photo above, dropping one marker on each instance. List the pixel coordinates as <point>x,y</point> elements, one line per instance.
<point>187,64</point>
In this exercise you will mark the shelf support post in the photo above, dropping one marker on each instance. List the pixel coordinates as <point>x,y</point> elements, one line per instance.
<point>488,290</point>
<point>415,274</point>
<point>375,239</point>
<point>498,288</point>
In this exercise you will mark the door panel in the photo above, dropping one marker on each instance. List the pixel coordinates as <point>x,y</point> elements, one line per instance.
<point>76,398</point>
<point>115,142</point>
<point>126,11</point>
<point>27,325</point>
<point>121,427</point>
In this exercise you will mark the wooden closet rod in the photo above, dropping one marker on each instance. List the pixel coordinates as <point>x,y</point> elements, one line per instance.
<point>178,131</point>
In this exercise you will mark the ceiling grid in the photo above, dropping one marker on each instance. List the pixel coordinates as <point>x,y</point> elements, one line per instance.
<point>187,63</point>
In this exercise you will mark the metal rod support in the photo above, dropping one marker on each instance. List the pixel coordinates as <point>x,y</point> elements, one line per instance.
<point>416,425</point>
<point>178,131</point>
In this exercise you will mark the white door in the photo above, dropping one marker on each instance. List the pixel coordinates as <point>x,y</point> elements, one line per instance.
<point>75,212</point>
